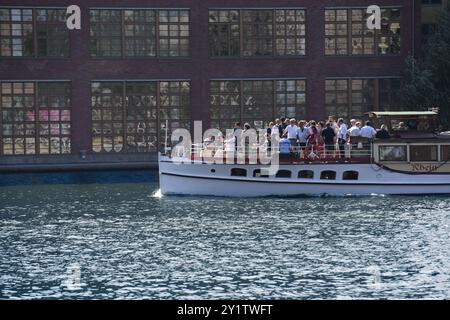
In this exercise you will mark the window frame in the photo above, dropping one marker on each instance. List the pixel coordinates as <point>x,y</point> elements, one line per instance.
<point>352,173</point>
<point>280,174</point>
<point>137,23</point>
<point>12,22</point>
<point>378,34</point>
<point>240,170</point>
<point>49,24</point>
<point>140,109</point>
<point>34,37</point>
<point>181,122</point>
<point>215,44</point>
<point>392,146</point>
<point>309,171</point>
<point>324,177</point>
<point>240,55</point>
<point>182,13</point>
<point>412,158</point>
<point>346,110</point>
<point>444,150</point>
<point>37,123</point>
<point>258,171</point>
<point>224,97</point>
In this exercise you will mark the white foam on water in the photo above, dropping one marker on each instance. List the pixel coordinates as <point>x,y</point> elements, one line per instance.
<point>157,194</point>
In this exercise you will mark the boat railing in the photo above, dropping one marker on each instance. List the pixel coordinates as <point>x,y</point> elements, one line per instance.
<point>361,151</point>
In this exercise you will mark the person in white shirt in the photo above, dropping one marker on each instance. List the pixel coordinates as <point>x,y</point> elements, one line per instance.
<point>354,131</point>
<point>229,144</point>
<point>333,123</point>
<point>291,132</point>
<point>237,134</point>
<point>368,131</point>
<point>277,126</point>
<point>237,130</point>
<point>302,133</point>
<point>342,137</point>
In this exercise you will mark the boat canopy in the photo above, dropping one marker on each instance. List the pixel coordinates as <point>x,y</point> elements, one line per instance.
<point>406,122</point>
<point>378,114</point>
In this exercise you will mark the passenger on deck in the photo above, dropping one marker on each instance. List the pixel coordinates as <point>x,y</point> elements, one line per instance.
<point>179,148</point>
<point>320,127</point>
<point>342,137</point>
<point>285,148</point>
<point>302,134</point>
<point>268,141</point>
<point>333,123</point>
<point>247,141</point>
<point>382,133</point>
<point>209,141</point>
<point>313,143</point>
<point>229,144</point>
<point>284,124</point>
<point>368,131</point>
<point>269,128</point>
<point>209,147</point>
<point>329,137</point>
<point>291,132</point>
<point>354,130</point>
<point>277,127</point>
<point>237,133</point>
<point>402,127</point>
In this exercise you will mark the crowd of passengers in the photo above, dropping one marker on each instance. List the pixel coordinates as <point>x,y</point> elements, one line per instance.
<point>310,138</point>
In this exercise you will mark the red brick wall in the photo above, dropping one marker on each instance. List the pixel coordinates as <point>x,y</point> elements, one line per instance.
<point>80,68</point>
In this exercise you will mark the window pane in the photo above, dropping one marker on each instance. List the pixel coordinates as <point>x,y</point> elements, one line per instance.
<point>141,117</point>
<point>105,33</point>
<point>290,99</point>
<point>174,35</point>
<point>16,33</point>
<point>392,153</point>
<point>107,116</point>
<point>52,33</point>
<point>140,33</point>
<point>346,32</point>
<point>423,153</point>
<point>24,120</point>
<point>328,175</point>
<point>290,32</point>
<point>258,103</point>
<point>132,126</point>
<point>224,33</point>
<point>257,32</point>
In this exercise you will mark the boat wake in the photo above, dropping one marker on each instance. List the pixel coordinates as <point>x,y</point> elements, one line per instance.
<point>157,194</point>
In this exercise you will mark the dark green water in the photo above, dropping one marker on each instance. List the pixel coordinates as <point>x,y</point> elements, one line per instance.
<point>107,235</point>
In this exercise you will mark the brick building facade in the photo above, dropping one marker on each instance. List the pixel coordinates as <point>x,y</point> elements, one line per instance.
<point>103,95</point>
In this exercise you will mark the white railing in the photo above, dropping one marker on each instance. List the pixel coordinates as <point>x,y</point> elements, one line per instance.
<point>350,151</point>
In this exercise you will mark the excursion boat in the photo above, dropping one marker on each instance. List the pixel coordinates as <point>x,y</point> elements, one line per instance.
<point>411,162</point>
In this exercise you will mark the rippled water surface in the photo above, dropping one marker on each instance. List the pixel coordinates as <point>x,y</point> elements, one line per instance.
<point>120,240</point>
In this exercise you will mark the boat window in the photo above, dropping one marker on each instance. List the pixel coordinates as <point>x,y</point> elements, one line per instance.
<point>258,174</point>
<point>284,174</point>
<point>350,175</point>
<point>392,153</point>
<point>237,172</point>
<point>328,175</point>
<point>423,153</point>
<point>306,174</point>
<point>445,153</point>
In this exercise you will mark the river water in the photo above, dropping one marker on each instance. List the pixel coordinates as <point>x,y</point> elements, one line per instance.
<point>110,235</point>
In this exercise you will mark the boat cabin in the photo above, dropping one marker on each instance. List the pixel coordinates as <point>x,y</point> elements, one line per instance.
<point>405,124</point>
<point>415,145</point>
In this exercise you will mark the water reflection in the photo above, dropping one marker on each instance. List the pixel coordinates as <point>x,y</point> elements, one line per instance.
<point>129,242</point>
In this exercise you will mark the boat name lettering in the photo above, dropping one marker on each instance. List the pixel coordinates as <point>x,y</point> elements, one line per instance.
<point>420,167</point>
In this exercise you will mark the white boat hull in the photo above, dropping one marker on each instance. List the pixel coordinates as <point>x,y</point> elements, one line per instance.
<point>215,180</point>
